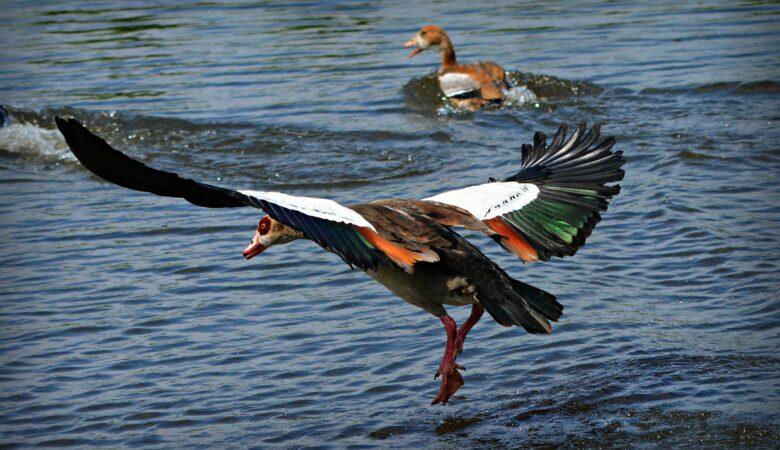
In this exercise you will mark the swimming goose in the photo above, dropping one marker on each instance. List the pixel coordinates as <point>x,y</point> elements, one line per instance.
<point>468,86</point>
<point>548,208</point>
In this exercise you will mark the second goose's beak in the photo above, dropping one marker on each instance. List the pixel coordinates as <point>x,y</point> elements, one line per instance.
<point>412,43</point>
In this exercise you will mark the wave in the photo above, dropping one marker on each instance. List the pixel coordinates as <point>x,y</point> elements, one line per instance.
<point>249,154</point>
<point>31,140</point>
<point>729,87</point>
<point>549,87</point>
<point>424,95</point>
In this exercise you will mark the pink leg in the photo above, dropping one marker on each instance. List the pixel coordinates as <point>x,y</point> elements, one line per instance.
<point>476,313</point>
<point>451,380</point>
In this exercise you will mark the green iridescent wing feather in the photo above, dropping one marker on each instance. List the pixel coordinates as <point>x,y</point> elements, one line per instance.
<point>572,175</point>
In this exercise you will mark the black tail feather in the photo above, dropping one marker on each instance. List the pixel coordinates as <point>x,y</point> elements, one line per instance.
<point>541,301</point>
<point>522,305</point>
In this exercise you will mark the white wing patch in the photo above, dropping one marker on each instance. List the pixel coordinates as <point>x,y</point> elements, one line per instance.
<point>486,201</point>
<point>311,206</point>
<point>453,84</point>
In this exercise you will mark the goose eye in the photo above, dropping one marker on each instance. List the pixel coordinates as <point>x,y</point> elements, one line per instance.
<point>264,225</point>
<point>423,33</point>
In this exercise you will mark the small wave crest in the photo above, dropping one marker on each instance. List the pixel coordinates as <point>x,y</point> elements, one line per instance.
<point>722,87</point>
<point>248,154</point>
<point>30,140</point>
<point>550,87</point>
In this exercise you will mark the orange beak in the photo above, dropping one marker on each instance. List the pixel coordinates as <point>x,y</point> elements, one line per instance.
<point>412,43</point>
<point>254,249</point>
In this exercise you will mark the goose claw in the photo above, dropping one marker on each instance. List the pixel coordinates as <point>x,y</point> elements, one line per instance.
<point>450,383</point>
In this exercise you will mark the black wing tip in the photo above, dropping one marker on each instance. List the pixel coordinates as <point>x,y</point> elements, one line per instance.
<point>110,164</point>
<point>581,142</point>
<point>72,129</point>
<point>61,123</point>
<point>85,145</point>
<point>581,160</point>
<point>66,125</point>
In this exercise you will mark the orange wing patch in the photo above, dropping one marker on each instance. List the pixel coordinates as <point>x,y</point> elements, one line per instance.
<point>397,253</point>
<point>490,77</point>
<point>512,240</point>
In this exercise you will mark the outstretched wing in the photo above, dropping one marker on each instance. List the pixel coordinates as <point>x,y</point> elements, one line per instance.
<point>334,227</point>
<point>112,165</point>
<point>553,203</point>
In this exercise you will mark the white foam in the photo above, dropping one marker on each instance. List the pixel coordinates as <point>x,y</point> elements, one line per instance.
<point>30,140</point>
<point>519,95</point>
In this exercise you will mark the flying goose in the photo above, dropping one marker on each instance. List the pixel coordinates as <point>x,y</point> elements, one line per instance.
<point>548,208</point>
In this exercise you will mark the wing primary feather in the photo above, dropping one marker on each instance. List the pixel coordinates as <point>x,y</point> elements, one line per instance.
<point>110,164</point>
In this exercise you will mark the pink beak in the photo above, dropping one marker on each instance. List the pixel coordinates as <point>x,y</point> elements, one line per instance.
<point>411,43</point>
<point>253,250</point>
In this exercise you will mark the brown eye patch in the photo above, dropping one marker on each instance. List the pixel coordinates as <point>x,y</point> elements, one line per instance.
<point>264,225</point>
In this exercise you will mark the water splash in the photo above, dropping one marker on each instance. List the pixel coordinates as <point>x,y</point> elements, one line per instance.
<point>550,87</point>
<point>519,95</point>
<point>423,95</point>
<point>33,141</point>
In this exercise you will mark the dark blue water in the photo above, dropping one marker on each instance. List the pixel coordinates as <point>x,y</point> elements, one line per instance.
<point>129,320</point>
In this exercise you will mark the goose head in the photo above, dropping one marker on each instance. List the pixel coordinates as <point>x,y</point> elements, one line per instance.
<point>428,36</point>
<point>270,232</point>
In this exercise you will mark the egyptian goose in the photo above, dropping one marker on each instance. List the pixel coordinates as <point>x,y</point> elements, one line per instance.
<point>546,209</point>
<point>468,86</point>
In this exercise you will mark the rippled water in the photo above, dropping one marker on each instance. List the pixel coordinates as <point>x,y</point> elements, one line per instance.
<point>131,320</point>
